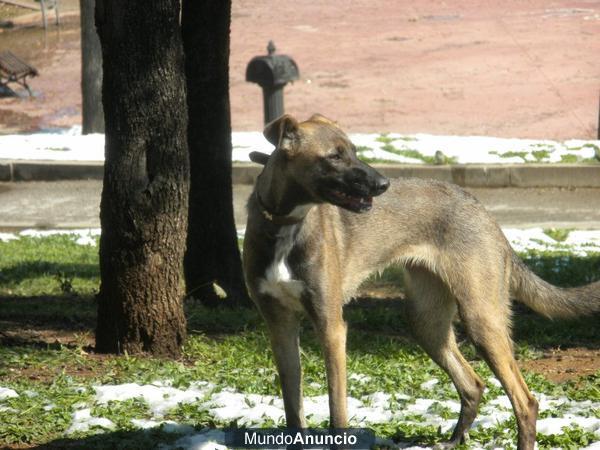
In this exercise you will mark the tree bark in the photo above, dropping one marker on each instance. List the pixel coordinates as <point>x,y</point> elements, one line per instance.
<point>146,178</point>
<point>91,71</point>
<point>212,253</point>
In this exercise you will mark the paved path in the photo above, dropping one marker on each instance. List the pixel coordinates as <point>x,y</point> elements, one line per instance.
<point>73,204</point>
<point>512,68</point>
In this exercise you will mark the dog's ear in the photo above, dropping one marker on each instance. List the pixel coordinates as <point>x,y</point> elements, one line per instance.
<point>282,132</point>
<point>259,158</point>
<point>322,119</point>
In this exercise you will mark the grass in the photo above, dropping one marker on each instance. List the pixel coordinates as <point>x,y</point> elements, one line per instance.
<point>388,146</point>
<point>558,234</point>
<point>53,265</point>
<point>537,152</point>
<point>230,349</point>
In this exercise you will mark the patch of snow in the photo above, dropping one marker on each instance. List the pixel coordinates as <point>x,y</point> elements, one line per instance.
<point>578,242</point>
<point>359,377</point>
<point>168,426</point>
<point>81,233</point>
<point>159,398</point>
<point>253,410</point>
<point>205,440</point>
<point>61,145</point>
<point>494,382</point>
<point>83,236</point>
<point>83,421</point>
<point>5,237</point>
<point>7,393</point>
<point>556,425</point>
<point>427,385</point>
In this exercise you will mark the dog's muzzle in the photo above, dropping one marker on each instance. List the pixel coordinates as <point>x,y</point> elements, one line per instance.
<point>356,189</point>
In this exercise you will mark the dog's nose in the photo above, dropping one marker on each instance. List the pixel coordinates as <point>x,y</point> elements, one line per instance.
<point>381,185</point>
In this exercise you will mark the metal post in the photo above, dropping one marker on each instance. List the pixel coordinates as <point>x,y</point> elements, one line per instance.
<point>272,102</point>
<point>598,137</point>
<point>272,72</point>
<point>56,10</point>
<point>44,20</point>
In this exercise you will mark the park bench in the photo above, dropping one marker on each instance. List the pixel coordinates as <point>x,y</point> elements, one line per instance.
<point>14,70</point>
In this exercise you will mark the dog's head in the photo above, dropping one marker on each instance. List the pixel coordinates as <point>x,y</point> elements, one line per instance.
<point>318,156</point>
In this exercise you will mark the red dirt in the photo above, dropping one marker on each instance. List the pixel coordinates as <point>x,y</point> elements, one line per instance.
<point>560,365</point>
<point>513,68</point>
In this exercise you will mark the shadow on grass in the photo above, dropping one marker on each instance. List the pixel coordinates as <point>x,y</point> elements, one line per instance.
<point>28,270</point>
<point>117,440</point>
<point>365,316</point>
<point>154,438</point>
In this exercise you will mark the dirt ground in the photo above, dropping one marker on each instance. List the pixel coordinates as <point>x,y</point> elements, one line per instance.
<point>556,364</point>
<point>512,69</point>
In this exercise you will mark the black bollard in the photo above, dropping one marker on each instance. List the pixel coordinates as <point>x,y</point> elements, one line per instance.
<point>272,72</point>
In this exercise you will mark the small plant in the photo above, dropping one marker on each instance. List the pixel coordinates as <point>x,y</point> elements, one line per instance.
<point>558,234</point>
<point>540,155</point>
<point>65,283</point>
<point>569,158</point>
<point>385,139</point>
<point>513,154</point>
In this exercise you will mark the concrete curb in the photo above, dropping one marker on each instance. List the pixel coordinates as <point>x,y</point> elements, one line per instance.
<point>467,175</point>
<point>50,170</point>
<point>476,175</point>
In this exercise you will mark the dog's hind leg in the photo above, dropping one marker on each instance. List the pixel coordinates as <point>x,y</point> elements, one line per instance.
<point>284,332</point>
<point>431,309</point>
<point>486,319</point>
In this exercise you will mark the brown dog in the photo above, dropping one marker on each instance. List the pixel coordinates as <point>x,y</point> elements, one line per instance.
<point>308,247</point>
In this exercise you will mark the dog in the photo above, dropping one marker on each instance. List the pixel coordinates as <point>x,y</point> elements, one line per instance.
<point>320,221</point>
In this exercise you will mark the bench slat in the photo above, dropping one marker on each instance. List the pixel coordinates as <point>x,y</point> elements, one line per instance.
<point>14,66</point>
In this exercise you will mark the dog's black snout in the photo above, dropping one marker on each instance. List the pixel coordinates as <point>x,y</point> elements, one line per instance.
<point>381,185</point>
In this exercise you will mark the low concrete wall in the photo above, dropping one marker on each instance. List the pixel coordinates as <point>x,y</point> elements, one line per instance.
<point>476,175</point>
<point>468,175</point>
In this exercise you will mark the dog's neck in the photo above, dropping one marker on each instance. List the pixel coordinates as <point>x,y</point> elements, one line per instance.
<point>280,200</point>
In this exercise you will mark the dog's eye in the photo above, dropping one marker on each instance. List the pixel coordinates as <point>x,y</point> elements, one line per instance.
<point>336,155</point>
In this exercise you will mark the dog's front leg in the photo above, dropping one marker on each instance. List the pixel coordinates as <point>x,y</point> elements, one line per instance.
<point>332,334</point>
<point>284,331</point>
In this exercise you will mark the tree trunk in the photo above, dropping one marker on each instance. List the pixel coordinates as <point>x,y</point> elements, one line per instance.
<point>146,178</point>
<point>212,253</point>
<point>91,71</point>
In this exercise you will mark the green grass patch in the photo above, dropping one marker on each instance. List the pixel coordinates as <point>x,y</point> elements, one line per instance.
<point>511,154</point>
<point>230,348</point>
<point>53,265</point>
<point>540,155</point>
<point>558,234</point>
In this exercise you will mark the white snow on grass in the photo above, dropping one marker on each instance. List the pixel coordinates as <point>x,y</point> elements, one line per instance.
<point>252,410</point>
<point>70,145</point>
<point>159,397</point>
<point>578,242</point>
<point>83,421</point>
<point>83,236</point>
<point>7,393</point>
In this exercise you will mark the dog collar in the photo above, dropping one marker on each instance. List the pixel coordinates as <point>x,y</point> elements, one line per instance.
<point>275,218</point>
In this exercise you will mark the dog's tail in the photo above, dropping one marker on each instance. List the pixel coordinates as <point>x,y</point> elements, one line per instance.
<point>549,300</point>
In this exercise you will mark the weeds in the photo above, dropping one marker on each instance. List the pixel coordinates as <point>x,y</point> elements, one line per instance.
<point>230,349</point>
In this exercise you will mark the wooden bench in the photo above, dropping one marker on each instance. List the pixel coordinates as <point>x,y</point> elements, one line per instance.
<point>14,70</point>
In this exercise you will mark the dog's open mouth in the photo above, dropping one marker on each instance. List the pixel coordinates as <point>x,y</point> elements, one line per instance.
<point>352,202</point>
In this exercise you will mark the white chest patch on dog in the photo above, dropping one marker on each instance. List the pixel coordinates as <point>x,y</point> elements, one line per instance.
<point>278,281</point>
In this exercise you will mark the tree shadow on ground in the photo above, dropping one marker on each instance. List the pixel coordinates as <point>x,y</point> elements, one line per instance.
<point>114,440</point>
<point>28,270</point>
<point>382,317</point>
